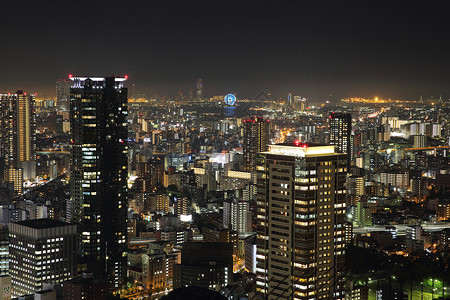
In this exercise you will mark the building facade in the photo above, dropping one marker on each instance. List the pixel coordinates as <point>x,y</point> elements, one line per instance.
<point>207,265</point>
<point>18,136</point>
<point>301,222</point>
<point>41,251</point>
<point>256,139</point>
<point>63,94</point>
<point>199,89</point>
<point>99,174</point>
<point>340,132</point>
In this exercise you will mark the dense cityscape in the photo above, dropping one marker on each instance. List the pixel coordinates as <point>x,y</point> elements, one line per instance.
<point>105,194</point>
<point>154,151</point>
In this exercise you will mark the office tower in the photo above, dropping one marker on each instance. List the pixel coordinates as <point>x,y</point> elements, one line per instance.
<point>340,131</point>
<point>206,265</point>
<point>63,94</point>
<point>300,222</point>
<point>256,139</point>
<point>41,251</point>
<point>18,137</point>
<point>99,174</point>
<point>199,89</point>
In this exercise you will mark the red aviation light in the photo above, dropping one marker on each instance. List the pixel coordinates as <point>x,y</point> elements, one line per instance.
<point>126,76</point>
<point>70,75</point>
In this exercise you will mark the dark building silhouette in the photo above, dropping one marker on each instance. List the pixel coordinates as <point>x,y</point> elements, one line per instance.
<point>85,287</point>
<point>256,139</point>
<point>206,265</point>
<point>99,174</point>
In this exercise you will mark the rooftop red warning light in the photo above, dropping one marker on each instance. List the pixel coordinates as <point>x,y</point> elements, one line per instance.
<point>70,75</point>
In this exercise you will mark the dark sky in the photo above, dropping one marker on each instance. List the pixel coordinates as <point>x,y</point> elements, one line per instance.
<point>395,49</point>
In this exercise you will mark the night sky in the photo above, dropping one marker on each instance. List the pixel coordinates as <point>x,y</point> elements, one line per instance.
<point>337,48</point>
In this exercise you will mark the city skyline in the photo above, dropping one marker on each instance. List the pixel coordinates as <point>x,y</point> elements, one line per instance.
<point>313,50</point>
<point>224,150</point>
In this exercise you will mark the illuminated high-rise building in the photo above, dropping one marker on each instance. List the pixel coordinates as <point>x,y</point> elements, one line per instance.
<point>256,139</point>
<point>300,225</point>
<point>41,252</point>
<point>340,131</point>
<point>18,135</point>
<point>199,89</point>
<point>98,177</point>
<point>63,94</point>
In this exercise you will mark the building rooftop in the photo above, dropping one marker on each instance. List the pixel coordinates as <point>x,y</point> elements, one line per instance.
<point>42,223</point>
<point>300,144</point>
<point>299,149</point>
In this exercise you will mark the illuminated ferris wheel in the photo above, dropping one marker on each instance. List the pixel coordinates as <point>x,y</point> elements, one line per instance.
<point>230,100</point>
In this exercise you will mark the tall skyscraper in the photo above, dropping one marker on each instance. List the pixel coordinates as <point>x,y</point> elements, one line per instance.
<point>199,89</point>
<point>63,94</point>
<point>99,174</point>
<point>300,222</point>
<point>41,251</point>
<point>340,131</point>
<point>256,139</point>
<point>18,135</point>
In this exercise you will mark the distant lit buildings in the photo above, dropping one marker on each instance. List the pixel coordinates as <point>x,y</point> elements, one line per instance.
<point>199,89</point>
<point>256,139</point>
<point>63,94</point>
<point>301,222</point>
<point>420,141</point>
<point>15,176</point>
<point>98,116</point>
<point>236,215</point>
<point>41,251</point>
<point>18,137</point>
<point>340,131</point>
